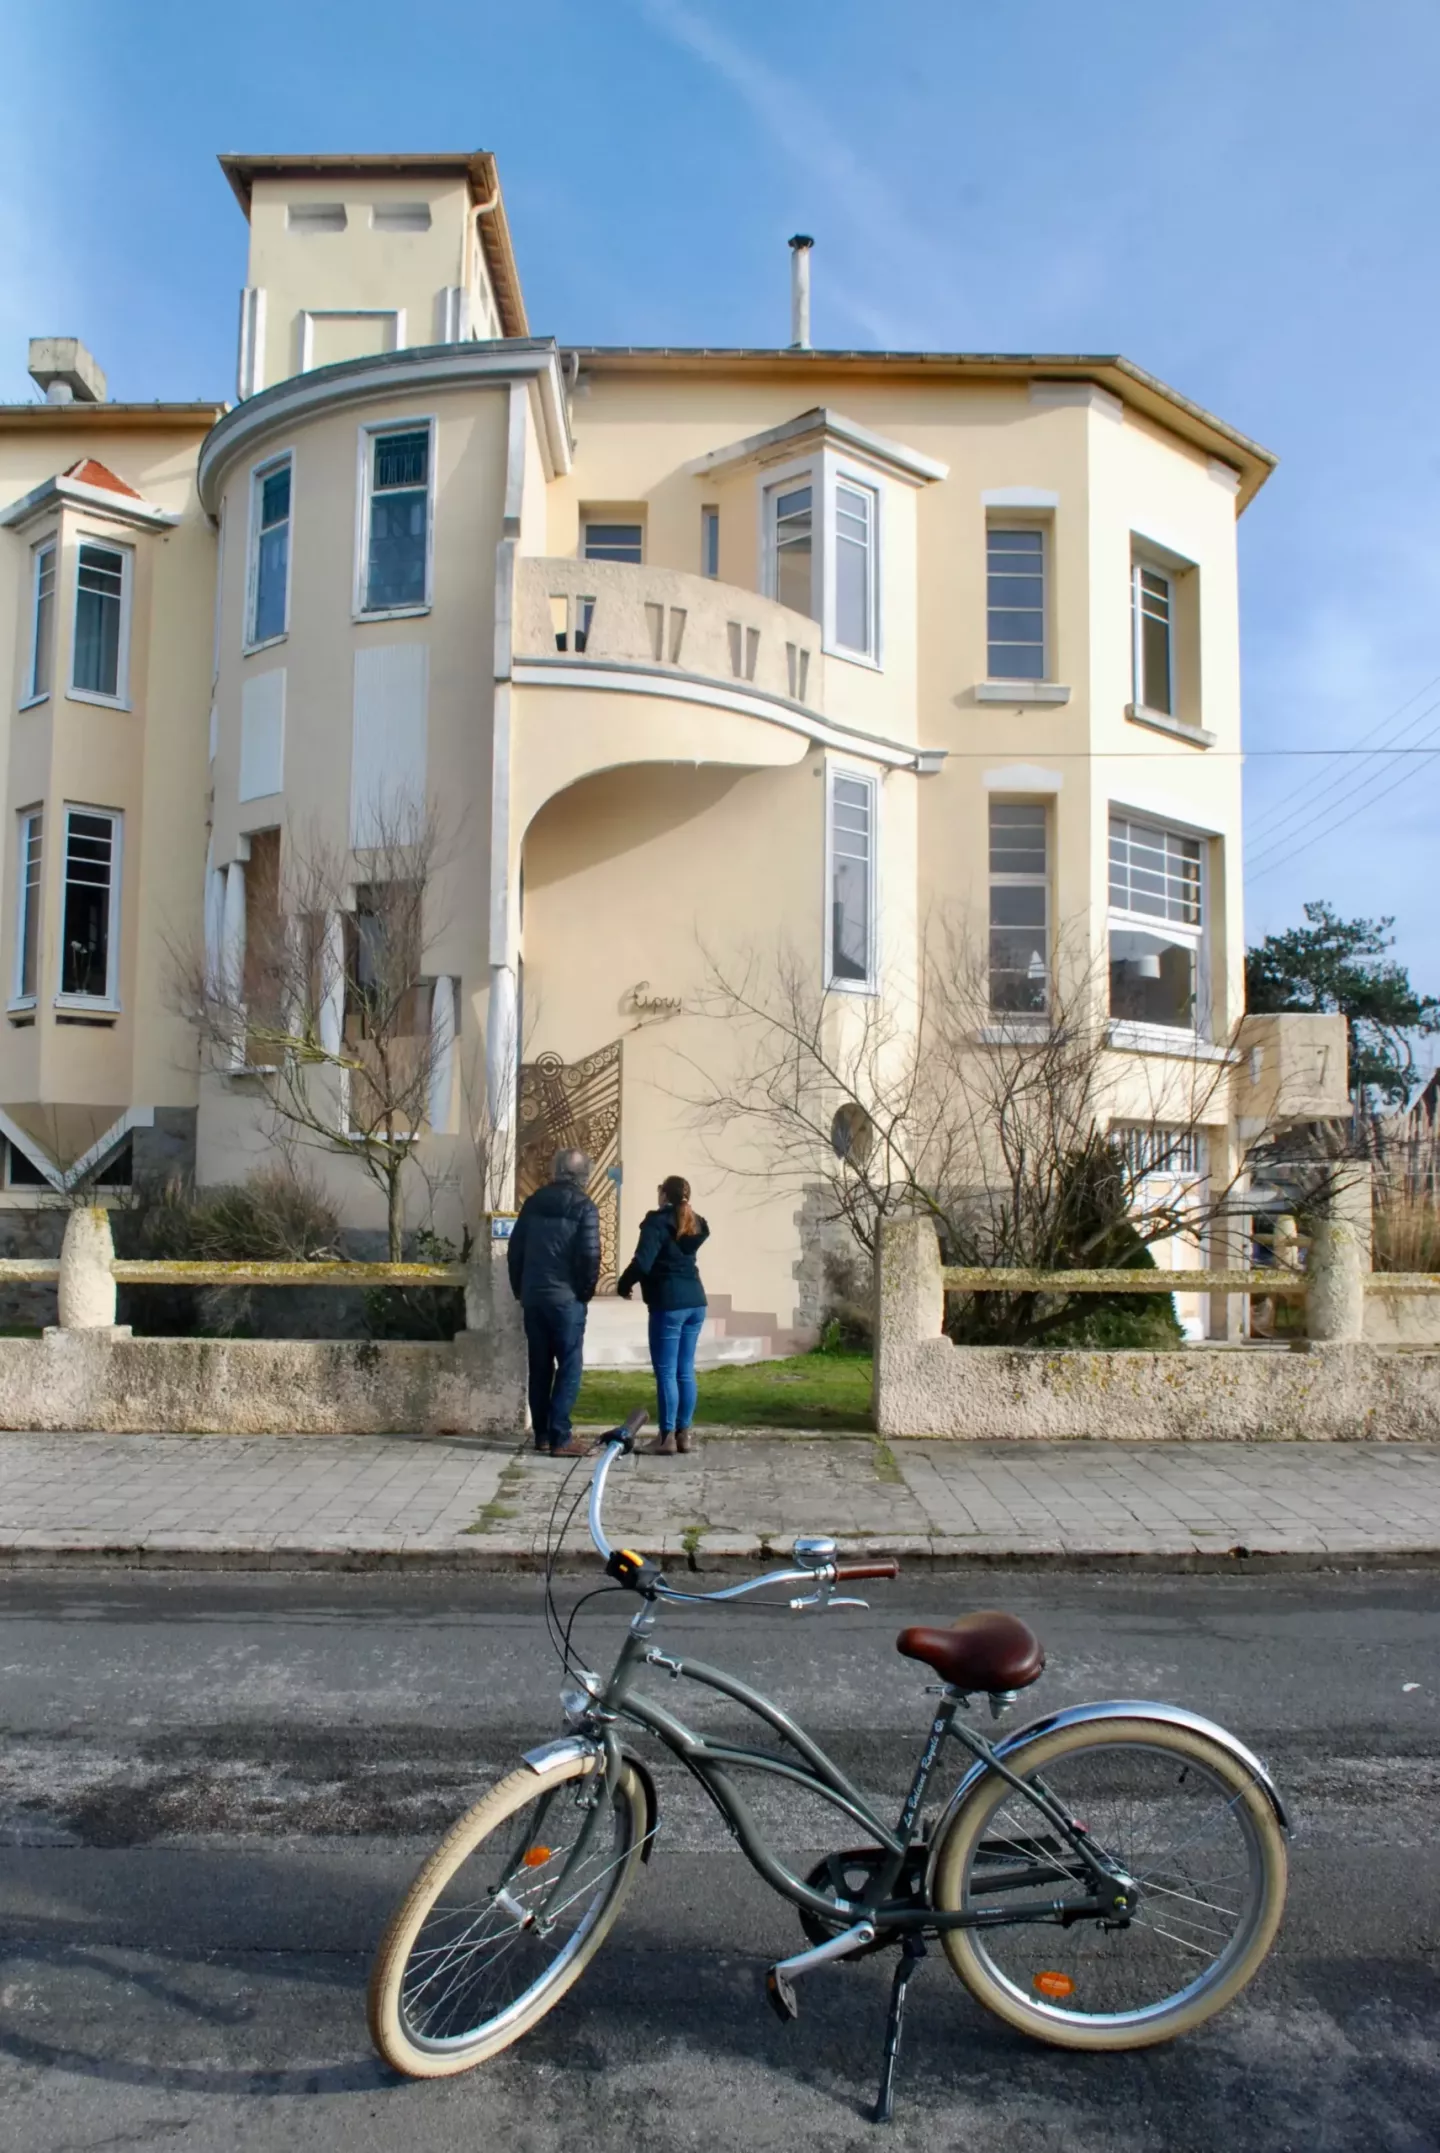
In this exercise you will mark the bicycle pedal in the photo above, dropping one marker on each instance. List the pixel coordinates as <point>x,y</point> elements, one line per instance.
<point>780,1994</point>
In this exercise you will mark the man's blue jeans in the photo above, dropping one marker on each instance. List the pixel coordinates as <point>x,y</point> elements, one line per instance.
<point>555,1336</point>
<point>674,1335</point>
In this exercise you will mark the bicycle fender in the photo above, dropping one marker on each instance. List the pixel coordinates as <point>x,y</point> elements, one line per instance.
<point>579,1745</point>
<point>1012,1751</point>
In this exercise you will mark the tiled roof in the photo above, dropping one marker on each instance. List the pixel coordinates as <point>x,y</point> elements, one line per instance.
<point>90,473</point>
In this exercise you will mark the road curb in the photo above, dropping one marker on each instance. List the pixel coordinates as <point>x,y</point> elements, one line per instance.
<point>514,1558</point>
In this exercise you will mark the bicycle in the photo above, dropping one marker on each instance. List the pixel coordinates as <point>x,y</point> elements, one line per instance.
<point>1107,1877</point>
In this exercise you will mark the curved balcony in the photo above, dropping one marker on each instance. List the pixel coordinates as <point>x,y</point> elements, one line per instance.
<point>659,623</point>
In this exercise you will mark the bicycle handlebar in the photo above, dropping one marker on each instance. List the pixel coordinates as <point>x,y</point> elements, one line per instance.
<point>622,1440</point>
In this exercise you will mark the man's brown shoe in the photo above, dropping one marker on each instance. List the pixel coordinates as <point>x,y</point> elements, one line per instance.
<point>662,1447</point>
<point>573,1449</point>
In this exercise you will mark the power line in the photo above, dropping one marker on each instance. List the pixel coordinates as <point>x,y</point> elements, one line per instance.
<point>1361,747</point>
<point>1306,800</point>
<point>1305,810</point>
<point>1314,839</point>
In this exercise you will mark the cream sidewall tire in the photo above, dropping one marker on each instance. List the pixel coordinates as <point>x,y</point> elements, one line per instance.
<point>514,1793</point>
<point>969,1827</point>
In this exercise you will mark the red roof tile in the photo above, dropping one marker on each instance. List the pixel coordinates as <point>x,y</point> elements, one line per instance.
<point>90,473</point>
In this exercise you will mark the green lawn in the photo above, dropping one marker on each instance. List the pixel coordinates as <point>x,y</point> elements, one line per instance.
<point>815,1390</point>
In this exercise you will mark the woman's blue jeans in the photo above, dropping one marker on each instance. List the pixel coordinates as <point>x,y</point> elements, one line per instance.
<point>674,1335</point>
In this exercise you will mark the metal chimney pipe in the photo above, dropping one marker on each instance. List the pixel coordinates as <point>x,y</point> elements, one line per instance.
<point>800,247</point>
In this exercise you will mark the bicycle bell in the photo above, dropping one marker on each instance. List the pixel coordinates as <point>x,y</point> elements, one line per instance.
<point>812,1548</point>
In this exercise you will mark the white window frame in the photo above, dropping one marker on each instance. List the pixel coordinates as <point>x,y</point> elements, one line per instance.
<point>825,472</point>
<point>1002,1022</point>
<point>1143,564</point>
<point>364,467</point>
<point>109,1002</point>
<point>258,476</point>
<point>870,984</point>
<point>1135,1031</point>
<point>121,698</point>
<point>51,546</point>
<point>19,999</point>
<point>997,524</point>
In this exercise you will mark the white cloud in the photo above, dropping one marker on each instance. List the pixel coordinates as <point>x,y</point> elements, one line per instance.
<point>801,132</point>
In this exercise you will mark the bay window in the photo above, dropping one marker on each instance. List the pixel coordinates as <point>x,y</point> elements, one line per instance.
<point>27,916</point>
<point>102,622</point>
<point>1152,607</point>
<point>821,554</point>
<point>1157,926</point>
<point>397,481</point>
<point>42,621</point>
<point>90,911</point>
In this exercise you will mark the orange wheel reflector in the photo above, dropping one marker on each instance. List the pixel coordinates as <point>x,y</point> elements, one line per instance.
<point>537,1856</point>
<point>1049,1984</point>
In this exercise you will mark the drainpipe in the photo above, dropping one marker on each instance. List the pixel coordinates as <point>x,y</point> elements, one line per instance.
<point>800,247</point>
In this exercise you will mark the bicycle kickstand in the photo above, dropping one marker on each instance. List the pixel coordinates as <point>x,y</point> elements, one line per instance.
<point>912,1951</point>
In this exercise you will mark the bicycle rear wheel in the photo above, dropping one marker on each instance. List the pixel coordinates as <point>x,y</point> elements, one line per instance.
<point>1192,1829</point>
<point>504,1917</point>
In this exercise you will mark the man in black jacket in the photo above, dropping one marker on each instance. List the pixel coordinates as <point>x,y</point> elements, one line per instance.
<point>554,1259</point>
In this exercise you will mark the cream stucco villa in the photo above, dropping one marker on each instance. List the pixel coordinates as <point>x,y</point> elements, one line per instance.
<point>692,648</point>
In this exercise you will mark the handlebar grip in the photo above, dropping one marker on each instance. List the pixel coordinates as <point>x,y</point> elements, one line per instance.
<point>846,1572</point>
<point>626,1434</point>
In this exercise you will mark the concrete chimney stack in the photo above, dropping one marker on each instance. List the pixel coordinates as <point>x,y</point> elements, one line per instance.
<point>800,247</point>
<point>65,370</point>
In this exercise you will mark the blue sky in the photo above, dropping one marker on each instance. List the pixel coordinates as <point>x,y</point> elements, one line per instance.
<point>1240,196</point>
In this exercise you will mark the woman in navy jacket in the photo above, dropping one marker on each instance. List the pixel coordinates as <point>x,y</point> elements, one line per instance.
<point>665,1270</point>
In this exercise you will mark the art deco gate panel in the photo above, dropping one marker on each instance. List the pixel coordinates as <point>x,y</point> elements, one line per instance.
<point>575,1105</point>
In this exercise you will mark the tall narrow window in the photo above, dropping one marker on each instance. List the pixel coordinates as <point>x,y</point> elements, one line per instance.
<point>27,921</point>
<point>99,621</point>
<point>852,880</point>
<point>88,919</point>
<point>1152,613</point>
<point>270,571</point>
<point>792,537</point>
<point>42,622</point>
<point>1157,905</point>
<point>615,542</point>
<point>1015,604</point>
<point>855,569</point>
<point>709,541</point>
<point>1019,908</point>
<point>397,561</point>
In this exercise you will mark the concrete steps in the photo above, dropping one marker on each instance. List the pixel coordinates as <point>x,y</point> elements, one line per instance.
<point>617,1335</point>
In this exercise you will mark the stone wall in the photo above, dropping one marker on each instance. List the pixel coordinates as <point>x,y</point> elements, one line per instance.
<point>223,1386</point>
<point>924,1385</point>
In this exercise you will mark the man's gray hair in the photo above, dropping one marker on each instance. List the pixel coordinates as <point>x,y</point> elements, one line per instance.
<point>571,1166</point>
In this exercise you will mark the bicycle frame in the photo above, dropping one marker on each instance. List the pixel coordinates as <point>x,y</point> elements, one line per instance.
<point>712,1763</point>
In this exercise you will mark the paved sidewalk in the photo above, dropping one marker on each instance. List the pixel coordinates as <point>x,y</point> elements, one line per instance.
<point>352,1501</point>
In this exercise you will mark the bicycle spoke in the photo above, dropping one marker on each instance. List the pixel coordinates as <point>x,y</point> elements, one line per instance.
<point>1167,1823</point>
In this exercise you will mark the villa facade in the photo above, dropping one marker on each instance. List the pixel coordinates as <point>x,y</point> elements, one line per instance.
<point>691,654</point>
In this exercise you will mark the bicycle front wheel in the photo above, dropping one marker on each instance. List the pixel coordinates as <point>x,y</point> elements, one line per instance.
<point>505,1916</point>
<point>1188,1824</point>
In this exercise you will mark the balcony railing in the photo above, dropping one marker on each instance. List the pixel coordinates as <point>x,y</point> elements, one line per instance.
<point>613,614</point>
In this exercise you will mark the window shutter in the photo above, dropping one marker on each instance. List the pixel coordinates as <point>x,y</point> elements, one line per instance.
<point>389,744</point>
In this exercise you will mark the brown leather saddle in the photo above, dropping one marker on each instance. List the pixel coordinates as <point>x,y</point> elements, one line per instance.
<point>985,1651</point>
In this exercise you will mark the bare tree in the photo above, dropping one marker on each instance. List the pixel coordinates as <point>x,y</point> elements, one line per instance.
<point>1016,1130</point>
<point>330,1004</point>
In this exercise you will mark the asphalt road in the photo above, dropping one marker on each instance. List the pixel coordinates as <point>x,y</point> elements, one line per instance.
<point>213,1789</point>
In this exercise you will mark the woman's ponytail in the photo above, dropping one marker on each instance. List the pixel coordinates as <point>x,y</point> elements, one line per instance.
<point>676,1192</point>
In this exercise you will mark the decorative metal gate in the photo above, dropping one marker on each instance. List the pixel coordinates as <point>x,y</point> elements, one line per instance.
<point>575,1105</point>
